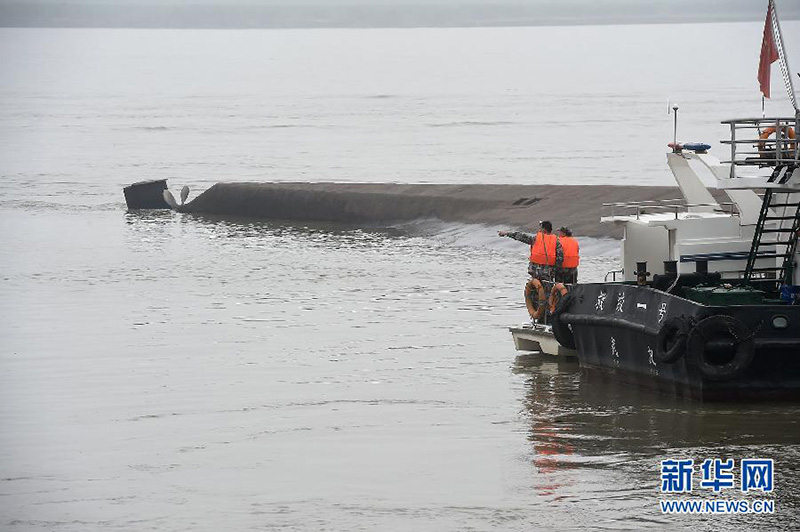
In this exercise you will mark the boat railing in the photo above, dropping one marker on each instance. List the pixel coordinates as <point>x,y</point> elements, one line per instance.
<point>669,206</point>
<point>763,142</point>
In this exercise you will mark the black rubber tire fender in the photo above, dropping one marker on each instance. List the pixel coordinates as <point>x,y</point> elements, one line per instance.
<point>671,340</point>
<point>715,327</point>
<point>561,330</point>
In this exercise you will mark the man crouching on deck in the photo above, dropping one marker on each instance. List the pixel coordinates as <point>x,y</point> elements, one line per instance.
<point>547,254</point>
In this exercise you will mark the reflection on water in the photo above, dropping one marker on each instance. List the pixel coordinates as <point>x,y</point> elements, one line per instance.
<point>588,430</point>
<point>549,378</point>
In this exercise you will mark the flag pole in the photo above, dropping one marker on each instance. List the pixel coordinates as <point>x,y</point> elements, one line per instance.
<point>787,78</point>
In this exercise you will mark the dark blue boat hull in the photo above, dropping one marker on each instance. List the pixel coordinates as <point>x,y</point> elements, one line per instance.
<point>615,328</point>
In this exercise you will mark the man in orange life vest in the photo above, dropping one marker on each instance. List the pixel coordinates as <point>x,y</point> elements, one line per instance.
<point>546,251</point>
<point>568,273</point>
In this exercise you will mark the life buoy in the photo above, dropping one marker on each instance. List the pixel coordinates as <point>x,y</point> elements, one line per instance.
<point>561,330</point>
<point>556,294</point>
<point>762,140</point>
<point>671,340</point>
<point>732,358</point>
<point>536,310</point>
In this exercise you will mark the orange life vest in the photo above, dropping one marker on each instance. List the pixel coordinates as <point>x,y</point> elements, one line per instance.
<point>572,253</point>
<point>543,250</point>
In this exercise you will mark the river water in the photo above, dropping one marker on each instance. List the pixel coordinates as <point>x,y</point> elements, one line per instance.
<point>161,371</point>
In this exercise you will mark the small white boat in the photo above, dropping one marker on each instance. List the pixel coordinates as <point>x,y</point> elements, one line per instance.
<point>536,337</point>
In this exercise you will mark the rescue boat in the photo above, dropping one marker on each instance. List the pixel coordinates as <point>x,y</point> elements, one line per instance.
<point>709,303</point>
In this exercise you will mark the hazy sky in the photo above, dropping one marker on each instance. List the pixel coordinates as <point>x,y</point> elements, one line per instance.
<point>369,13</point>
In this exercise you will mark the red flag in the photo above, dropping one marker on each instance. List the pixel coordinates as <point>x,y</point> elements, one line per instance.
<point>769,54</point>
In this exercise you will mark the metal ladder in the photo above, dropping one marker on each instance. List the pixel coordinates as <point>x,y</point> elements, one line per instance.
<point>784,236</point>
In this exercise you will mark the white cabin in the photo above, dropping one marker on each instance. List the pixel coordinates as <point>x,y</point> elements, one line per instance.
<point>750,237</point>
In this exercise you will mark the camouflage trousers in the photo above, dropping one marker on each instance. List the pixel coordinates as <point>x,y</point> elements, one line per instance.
<point>567,275</point>
<point>541,272</point>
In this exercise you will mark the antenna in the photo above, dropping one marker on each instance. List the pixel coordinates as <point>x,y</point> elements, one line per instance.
<point>675,128</point>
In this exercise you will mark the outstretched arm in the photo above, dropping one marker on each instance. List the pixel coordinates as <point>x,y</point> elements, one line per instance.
<point>518,235</point>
